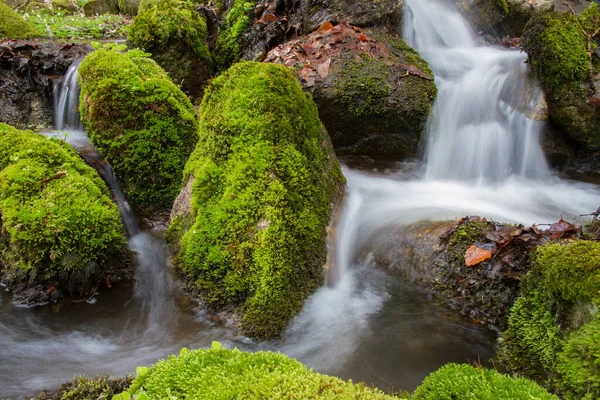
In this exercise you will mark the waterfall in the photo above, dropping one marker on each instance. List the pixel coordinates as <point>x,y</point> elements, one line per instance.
<point>481,126</point>
<point>66,100</point>
<point>154,284</point>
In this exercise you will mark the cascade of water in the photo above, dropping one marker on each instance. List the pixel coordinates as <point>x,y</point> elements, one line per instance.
<point>480,126</point>
<point>154,284</point>
<point>66,100</point>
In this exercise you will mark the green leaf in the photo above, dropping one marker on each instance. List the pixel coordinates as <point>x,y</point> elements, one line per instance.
<point>216,345</point>
<point>141,371</point>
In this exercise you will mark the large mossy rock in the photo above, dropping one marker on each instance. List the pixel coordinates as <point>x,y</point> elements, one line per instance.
<point>12,25</point>
<point>140,122</point>
<point>130,7</point>
<point>559,58</point>
<point>264,182</point>
<point>177,37</point>
<point>59,227</point>
<point>218,373</point>
<point>373,91</point>
<point>553,327</point>
<point>461,381</point>
<point>99,7</point>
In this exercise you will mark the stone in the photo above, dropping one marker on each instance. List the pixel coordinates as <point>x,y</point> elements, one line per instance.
<point>373,91</point>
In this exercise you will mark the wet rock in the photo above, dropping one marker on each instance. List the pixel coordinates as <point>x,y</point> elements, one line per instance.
<point>373,91</point>
<point>28,71</point>
<point>99,7</point>
<point>381,13</point>
<point>502,18</point>
<point>436,257</point>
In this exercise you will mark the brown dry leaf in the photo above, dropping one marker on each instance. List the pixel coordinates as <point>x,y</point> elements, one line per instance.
<point>308,49</point>
<point>323,69</point>
<point>325,26</point>
<point>560,228</point>
<point>474,255</point>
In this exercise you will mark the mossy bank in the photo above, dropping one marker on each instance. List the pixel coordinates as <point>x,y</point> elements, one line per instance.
<point>265,180</point>
<point>553,327</point>
<point>140,122</point>
<point>60,232</point>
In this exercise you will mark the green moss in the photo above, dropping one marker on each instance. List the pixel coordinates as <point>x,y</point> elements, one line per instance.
<point>219,373</point>
<point>559,298</point>
<point>503,5</point>
<point>402,51</point>
<point>142,123</point>
<point>12,25</point>
<point>557,49</point>
<point>460,381</point>
<point>237,21</point>
<point>465,235</point>
<point>265,180</point>
<point>129,7</point>
<point>579,364</point>
<point>84,388</point>
<point>57,215</point>
<point>363,86</point>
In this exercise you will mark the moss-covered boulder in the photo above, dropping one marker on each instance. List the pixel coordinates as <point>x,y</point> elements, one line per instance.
<point>218,373</point>
<point>99,7</point>
<point>559,57</point>
<point>553,326</point>
<point>129,7</point>
<point>373,91</point>
<point>12,25</point>
<point>59,227</point>
<point>461,381</point>
<point>177,37</point>
<point>265,179</point>
<point>140,122</point>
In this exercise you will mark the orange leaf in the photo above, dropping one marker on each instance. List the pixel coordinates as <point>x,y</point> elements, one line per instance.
<point>475,255</point>
<point>325,26</point>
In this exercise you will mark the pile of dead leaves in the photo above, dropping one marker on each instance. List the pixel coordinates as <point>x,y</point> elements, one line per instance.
<point>503,241</point>
<point>313,55</point>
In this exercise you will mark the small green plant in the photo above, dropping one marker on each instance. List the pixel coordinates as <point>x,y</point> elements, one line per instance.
<point>118,47</point>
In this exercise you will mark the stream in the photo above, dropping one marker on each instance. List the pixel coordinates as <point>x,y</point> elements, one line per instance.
<point>482,158</point>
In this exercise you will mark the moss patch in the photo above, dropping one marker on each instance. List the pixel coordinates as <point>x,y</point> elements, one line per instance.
<point>57,216</point>
<point>460,381</point>
<point>237,21</point>
<point>176,36</point>
<point>219,373</point>
<point>551,322</point>
<point>12,25</point>
<point>84,388</point>
<point>142,123</point>
<point>265,181</point>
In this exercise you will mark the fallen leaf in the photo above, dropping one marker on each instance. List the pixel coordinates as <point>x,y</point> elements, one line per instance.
<point>323,69</point>
<point>325,26</point>
<point>474,255</point>
<point>560,228</point>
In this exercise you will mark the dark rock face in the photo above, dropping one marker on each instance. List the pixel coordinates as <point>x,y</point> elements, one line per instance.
<point>382,13</point>
<point>27,74</point>
<point>373,91</point>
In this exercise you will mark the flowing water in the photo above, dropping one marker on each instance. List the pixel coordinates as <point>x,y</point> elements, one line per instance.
<point>483,158</point>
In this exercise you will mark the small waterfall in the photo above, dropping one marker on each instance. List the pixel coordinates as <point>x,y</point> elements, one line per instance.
<point>68,123</point>
<point>154,284</point>
<point>481,126</point>
<point>66,100</point>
